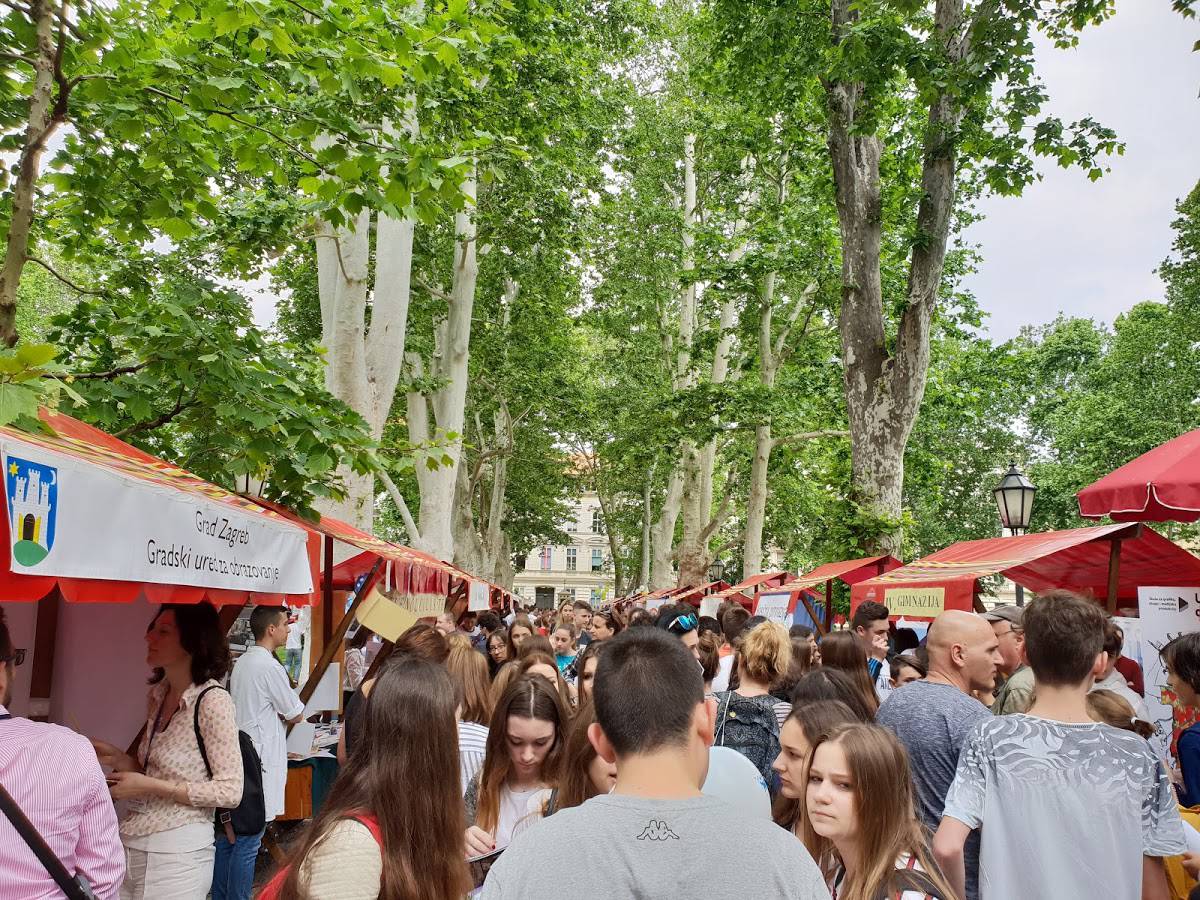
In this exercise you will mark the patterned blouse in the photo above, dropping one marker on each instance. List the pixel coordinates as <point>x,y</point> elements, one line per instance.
<point>174,756</point>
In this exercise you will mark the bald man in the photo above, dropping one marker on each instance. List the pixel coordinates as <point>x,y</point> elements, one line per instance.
<point>933,717</point>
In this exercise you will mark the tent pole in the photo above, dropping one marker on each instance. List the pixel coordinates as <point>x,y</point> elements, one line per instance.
<point>41,676</point>
<point>327,593</point>
<point>828,605</point>
<point>1114,574</point>
<point>339,633</point>
<point>821,630</point>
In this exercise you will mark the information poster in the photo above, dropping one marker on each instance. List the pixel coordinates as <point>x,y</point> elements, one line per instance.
<point>773,606</point>
<point>1166,613</point>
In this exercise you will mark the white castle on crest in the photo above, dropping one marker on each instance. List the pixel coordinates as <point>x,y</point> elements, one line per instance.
<point>30,508</point>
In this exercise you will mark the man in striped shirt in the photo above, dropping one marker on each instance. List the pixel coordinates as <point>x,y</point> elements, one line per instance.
<point>54,777</point>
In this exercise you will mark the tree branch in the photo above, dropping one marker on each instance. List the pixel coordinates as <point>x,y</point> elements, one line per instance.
<point>158,421</point>
<point>410,526</point>
<point>299,151</point>
<point>808,436</point>
<point>17,57</point>
<point>110,374</point>
<point>67,281</point>
<point>433,291</point>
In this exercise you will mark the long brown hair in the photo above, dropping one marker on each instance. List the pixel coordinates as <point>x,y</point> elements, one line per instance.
<point>528,697</point>
<point>590,651</point>
<point>522,620</point>
<point>1112,709</point>
<point>405,772</point>
<point>842,650</point>
<point>575,785</point>
<point>469,671</point>
<point>816,720</point>
<point>538,657</point>
<point>888,826</point>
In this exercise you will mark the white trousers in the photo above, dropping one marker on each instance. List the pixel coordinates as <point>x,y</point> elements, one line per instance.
<point>151,875</point>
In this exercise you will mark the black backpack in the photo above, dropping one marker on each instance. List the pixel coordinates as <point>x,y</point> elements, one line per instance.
<point>249,816</point>
<point>749,726</point>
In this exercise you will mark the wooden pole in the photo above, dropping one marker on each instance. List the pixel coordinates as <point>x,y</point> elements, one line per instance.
<point>327,593</point>
<point>828,605</point>
<point>1114,574</point>
<point>45,637</point>
<point>339,633</point>
<point>821,628</point>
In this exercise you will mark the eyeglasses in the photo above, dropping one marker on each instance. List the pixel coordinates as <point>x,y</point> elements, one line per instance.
<point>16,657</point>
<point>684,623</point>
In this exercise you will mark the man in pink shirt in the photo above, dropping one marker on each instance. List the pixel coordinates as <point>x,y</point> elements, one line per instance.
<point>53,776</point>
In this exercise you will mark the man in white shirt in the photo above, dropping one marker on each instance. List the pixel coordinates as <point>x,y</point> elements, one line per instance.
<point>266,704</point>
<point>294,646</point>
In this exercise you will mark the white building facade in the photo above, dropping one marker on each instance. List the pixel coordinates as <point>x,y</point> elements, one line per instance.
<point>579,570</point>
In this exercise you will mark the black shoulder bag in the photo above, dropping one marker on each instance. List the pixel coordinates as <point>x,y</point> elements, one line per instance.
<point>249,816</point>
<point>75,887</point>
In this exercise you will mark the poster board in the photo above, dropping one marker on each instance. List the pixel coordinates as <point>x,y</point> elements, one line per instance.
<point>1166,613</point>
<point>709,606</point>
<point>773,606</point>
<point>477,599</point>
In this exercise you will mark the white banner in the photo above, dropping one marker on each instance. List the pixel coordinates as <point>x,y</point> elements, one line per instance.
<point>478,599</point>
<point>81,520</point>
<point>1165,613</point>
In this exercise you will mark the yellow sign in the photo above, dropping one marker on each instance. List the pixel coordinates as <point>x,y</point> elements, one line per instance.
<point>905,601</point>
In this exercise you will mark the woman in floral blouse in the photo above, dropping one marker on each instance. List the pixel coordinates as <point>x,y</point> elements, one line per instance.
<point>167,828</point>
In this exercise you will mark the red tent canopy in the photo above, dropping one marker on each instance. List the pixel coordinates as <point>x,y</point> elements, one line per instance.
<point>88,446</point>
<point>1078,559</point>
<point>848,571</point>
<point>745,591</point>
<point>1160,486</point>
<point>694,595</point>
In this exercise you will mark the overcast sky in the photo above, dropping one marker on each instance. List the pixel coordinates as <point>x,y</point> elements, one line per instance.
<point>1090,248</point>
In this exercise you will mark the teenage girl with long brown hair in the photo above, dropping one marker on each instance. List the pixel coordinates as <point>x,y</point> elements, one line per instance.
<point>805,726</point>
<point>391,827</point>
<point>858,820</point>
<point>525,749</point>
<point>841,650</point>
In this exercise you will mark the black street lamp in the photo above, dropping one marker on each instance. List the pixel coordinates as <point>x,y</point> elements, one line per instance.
<point>716,570</point>
<point>1014,500</point>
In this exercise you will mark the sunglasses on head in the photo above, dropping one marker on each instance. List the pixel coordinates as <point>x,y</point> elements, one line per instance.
<point>684,623</point>
<point>16,657</point>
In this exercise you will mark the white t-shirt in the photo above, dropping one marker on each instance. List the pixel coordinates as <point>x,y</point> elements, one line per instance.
<point>261,694</point>
<point>513,806</point>
<point>721,679</point>
<point>1115,682</point>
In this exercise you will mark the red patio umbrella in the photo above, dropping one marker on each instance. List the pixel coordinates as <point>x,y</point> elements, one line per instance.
<point>1160,486</point>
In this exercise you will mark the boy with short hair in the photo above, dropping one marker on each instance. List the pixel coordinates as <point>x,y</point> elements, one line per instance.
<point>656,836</point>
<point>1052,780</point>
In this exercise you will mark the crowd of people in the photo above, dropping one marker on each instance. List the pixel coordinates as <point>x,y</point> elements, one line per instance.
<point>636,753</point>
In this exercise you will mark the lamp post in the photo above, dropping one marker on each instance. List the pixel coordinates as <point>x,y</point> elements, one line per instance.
<point>1014,500</point>
<point>716,570</point>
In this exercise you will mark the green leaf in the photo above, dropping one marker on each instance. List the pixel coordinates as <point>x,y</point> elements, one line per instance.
<point>177,229</point>
<point>16,400</point>
<point>34,355</point>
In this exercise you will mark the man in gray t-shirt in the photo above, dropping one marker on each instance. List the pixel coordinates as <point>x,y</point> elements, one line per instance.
<point>655,837</point>
<point>932,718</point>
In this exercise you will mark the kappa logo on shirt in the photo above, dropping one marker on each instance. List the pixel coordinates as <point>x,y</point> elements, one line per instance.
<point>656,830</point>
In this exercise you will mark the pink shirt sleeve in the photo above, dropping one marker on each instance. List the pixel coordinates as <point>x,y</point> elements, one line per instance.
<point>99,856</point>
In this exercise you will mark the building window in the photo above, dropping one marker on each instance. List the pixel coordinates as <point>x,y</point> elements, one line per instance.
<point>572,565</point>
<point>595,598</point>
<point>572,523</point>
<point>597,522</point>
<point>597,561</point>
<point>547,557</point>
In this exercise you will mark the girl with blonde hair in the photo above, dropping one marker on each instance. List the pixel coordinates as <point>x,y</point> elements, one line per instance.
<point>858,819</point>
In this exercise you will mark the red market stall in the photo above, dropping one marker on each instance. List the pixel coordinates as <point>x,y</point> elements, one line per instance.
<point>1160,486</point>
<point>800,591</point>
<point>1107,561</point>
<point>744,592</point>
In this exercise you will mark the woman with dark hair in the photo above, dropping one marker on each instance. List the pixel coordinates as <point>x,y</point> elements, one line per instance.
<point>830,684</point>
<point>355,663</point>
<point>497,650</point>
<point>843,651</point>
<point>421,640</point>
<point>584,669</point>
<point>525,745</point>
<point>906,668</point>
<point>605,624</point>
<point>167,829</point>
<point>391,827</point>
<point>1182,659</point>
<point>519,632</point>
<point>541,663</point>
<point>802,663</point>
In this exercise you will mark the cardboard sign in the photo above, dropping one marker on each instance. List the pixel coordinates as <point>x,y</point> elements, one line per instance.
<point>915,602</point>
<point>773,606</point>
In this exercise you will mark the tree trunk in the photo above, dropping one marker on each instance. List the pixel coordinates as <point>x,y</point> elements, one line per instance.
<point>884,391</point>
<point>647,518</point>
<point>756,502</point>
<point>44,118</point>
<point>451,361</point>
<point>662,573</point>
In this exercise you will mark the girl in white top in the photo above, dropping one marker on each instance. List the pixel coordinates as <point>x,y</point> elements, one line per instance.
<point>391,826</point>
<point>858,820</point>
<point>525,750</point>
